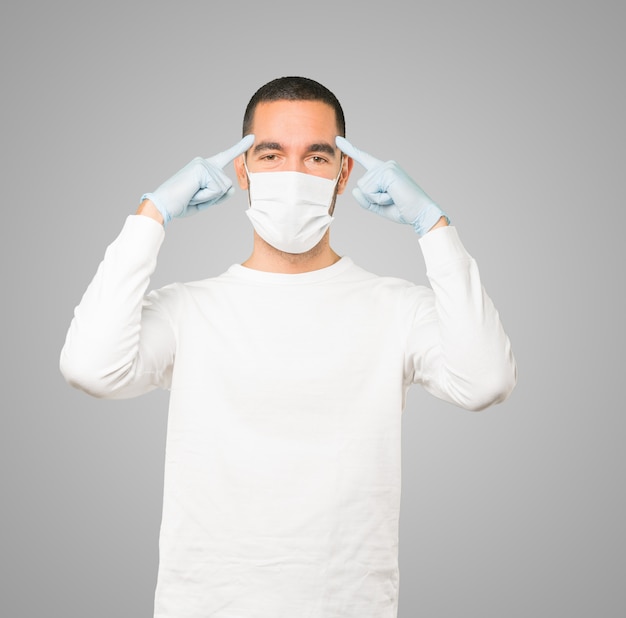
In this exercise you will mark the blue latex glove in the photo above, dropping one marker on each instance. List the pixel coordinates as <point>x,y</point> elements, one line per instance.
<point>387,190</point>
<point>200,184</point>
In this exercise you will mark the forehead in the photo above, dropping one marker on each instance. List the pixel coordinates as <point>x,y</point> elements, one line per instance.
<point>275,119</point>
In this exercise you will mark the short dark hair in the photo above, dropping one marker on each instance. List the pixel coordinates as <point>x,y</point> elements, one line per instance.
<point>293,89</point>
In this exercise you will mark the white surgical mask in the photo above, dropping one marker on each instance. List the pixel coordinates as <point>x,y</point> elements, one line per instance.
<point>289,210</point>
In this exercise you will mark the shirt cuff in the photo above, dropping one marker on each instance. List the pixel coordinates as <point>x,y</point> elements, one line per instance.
<point>141,236</point>
<point>441,247</point>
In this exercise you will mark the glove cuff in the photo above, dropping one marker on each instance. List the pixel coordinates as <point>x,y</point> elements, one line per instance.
<point>428,216</point>
<point>166,215</point>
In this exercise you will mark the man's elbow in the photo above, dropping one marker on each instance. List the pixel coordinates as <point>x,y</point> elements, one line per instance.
<point>85,375</point>
<point>491,388</point>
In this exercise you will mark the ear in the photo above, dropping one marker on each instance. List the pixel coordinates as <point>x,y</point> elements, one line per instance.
<point>240,170</point>
<point>346,170</point>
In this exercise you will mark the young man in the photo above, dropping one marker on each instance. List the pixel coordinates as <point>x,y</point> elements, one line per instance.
<point>288,373</point>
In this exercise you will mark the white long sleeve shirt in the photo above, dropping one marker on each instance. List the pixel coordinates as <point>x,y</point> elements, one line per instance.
<point>282,472</point>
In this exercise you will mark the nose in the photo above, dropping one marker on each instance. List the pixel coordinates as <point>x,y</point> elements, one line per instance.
<point>295,164</point>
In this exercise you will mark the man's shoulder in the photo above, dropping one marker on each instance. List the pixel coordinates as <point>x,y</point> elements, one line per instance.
<point>345,275</point>
<point>378,279</point>
<point>387,290</point>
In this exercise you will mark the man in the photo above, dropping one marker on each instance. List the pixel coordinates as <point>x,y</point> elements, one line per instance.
<point>288,373</point>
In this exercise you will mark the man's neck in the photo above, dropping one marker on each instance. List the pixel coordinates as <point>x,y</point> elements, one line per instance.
<point>268,259</point>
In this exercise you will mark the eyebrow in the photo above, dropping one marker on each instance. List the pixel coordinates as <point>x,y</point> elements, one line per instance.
<point>316,147</point>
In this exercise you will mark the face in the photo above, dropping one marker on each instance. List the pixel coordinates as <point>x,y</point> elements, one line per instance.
<point>295,136</point>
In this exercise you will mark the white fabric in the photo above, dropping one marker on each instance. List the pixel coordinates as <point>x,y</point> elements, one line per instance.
<point>289,210</point>
<point>282,474</point>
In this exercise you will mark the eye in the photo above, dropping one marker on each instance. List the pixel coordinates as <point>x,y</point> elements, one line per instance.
<point>269,160</point>
<point>318,160</point>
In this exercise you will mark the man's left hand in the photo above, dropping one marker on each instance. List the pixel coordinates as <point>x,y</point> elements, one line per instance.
<point>389,191</point>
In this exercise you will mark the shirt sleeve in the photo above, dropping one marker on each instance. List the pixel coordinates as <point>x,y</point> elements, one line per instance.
<point>120,342</point>
<point>458,349</point>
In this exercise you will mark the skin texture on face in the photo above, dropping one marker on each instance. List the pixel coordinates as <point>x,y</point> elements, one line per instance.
<point>294,136</point>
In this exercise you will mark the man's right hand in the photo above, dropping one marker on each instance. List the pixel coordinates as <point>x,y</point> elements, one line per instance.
<point>200,184</point>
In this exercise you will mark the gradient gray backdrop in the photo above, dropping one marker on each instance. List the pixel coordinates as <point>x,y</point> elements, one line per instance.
<point>509,114</point>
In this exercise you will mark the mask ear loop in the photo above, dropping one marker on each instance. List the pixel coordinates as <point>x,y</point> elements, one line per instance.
<point>245,165</point>
<point>340,169</point>
<point>331,208</point>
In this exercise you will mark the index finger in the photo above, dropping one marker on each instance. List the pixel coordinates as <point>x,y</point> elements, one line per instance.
<point>222,159</point>
<point>366,160</point>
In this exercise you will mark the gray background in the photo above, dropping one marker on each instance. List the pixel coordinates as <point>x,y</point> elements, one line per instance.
<point>509,114</point>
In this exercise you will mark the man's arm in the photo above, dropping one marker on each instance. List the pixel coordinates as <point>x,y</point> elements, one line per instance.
<point>148,209</point>
<point>457,347</point>
<point>120,342</point>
